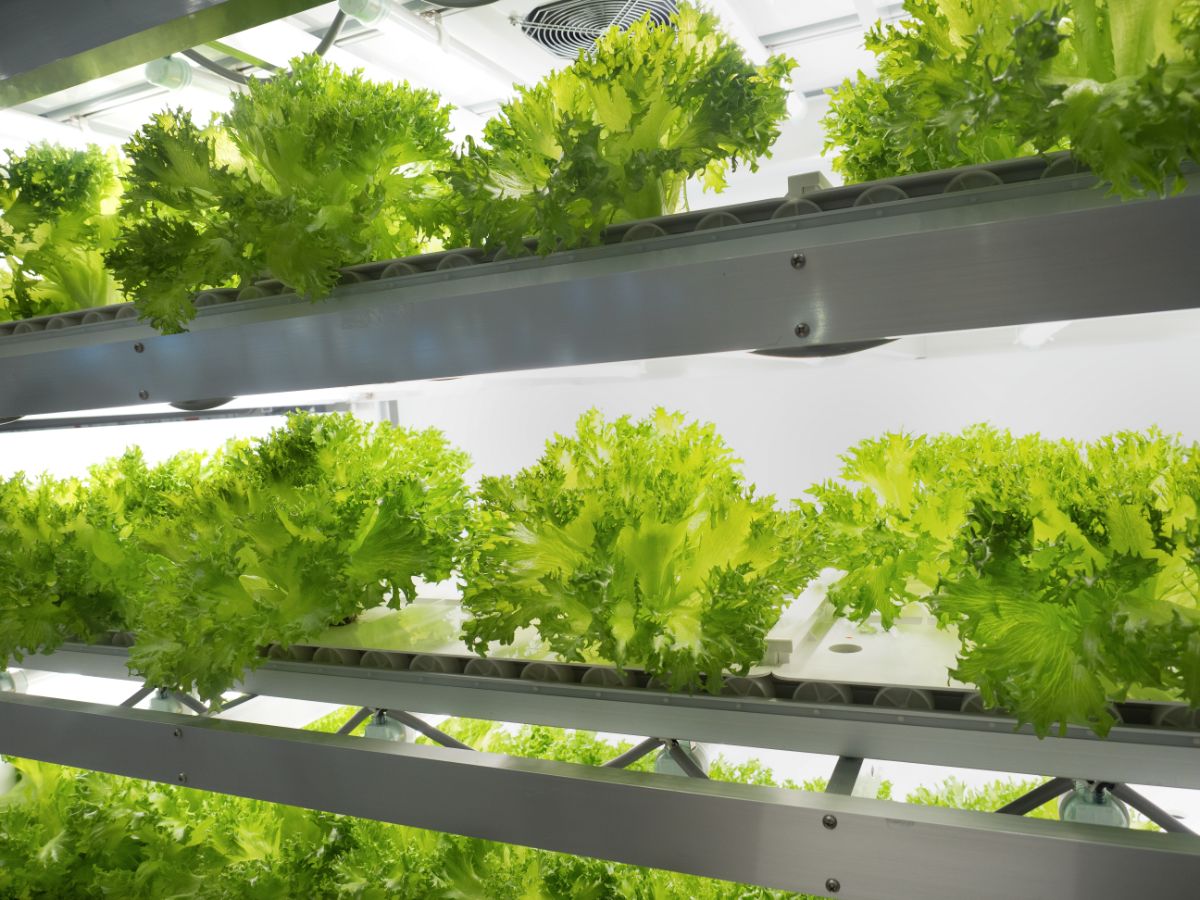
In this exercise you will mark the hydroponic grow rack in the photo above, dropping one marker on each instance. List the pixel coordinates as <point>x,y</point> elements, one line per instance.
<point>1015,243</point>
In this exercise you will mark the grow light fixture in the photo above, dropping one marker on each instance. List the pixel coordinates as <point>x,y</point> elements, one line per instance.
<point>1034,336</point>
<point>171,72</point>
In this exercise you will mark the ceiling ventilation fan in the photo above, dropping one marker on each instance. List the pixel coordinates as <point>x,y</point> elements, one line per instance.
<point>564,27</point>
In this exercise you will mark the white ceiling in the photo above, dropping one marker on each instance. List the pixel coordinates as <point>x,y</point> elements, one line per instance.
<point>489,52</point>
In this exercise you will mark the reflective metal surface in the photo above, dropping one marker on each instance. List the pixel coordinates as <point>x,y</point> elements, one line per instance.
<point>1137,754</point>
<point>770,836</point>
<point>1004,255</point>
<point>47,47</point>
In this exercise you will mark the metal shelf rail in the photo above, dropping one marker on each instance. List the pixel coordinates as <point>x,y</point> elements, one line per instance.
<point>433,683</point>
<point>826,844</point>
<point>912,255</point>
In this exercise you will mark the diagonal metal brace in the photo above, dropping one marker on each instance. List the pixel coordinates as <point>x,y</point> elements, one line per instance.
<point>225,707</point>
<point>633,754</point>
<point>431,732</point>
<point>137,696</point>
<point>190,702</point>
<point>1149,809</point>
<point>357,719</point>
<point>1043,793</point>
<point>684,761</point>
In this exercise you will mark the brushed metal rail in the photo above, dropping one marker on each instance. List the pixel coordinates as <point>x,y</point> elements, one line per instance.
<point>1134,754</point>
<point>825,844</point>
<point>1008,254</point>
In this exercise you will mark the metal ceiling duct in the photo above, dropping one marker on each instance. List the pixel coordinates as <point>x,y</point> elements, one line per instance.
<point>46,48</point>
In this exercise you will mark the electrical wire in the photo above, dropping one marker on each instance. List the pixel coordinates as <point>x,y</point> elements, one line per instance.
<point>335,28</point>
<point>204,62</point>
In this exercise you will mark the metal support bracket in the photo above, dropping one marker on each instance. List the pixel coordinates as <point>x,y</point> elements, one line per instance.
<point>683,760</point>
<point>633,754</point>
<point>434,734</point>
<point>845,775</point>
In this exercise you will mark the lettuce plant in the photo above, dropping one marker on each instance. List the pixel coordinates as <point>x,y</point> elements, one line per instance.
<point>176,234</point>
<point>637,543</point>
<point>37,568</point>
<point>1070,571</point>
<point>615,135</point>
<point>311,170</point>
<point>276,539</point>
<point>1117,82</point>
<point>57,216</point>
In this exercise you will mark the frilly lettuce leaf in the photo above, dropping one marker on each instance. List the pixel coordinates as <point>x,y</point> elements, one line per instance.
<point>1070,571</point>
<point>636,543</point>
<point>1116,82</point>
<point>615,135</point>
<point>57,216</point>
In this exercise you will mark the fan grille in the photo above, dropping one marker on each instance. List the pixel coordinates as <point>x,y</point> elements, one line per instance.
<point>568,26</point>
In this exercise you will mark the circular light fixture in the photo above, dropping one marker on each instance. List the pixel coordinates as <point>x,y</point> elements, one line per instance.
<point>368,12</point>
<point>170,72</point>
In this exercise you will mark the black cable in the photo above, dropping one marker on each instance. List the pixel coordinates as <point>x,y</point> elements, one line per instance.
<point>228,74</point>
<point>335,28</point>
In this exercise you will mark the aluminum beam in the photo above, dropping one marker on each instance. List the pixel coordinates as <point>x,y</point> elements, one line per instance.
<point>816,843</point>
<point>105,421</point>
<point>1019,253</point>
<point>1129,754</point>
<point>47,47</point>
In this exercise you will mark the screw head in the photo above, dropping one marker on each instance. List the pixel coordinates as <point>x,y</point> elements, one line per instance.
<point>802,331</point>
<point>182,777</point>
<point>143,394</point>
<point>177,732</point>
<point>832,885</point>
<point>139,347</point>
<point>798,260</point>
<point>829,821</point>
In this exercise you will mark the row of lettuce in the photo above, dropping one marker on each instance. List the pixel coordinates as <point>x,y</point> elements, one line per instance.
<point>67,833</point>
<point>318,168</point>
<point>1070,571</point>
<point>315,169</point>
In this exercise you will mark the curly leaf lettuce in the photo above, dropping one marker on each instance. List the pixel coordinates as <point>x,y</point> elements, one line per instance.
<point>57,216</point>
<point>615,136</point>
<point>637,543</point>
<point>274,540</point>
<point>1069,571</point>
<point>176,237</point>
<point>1117,82</point>
<point>336,170</point>
<point>311,170</point>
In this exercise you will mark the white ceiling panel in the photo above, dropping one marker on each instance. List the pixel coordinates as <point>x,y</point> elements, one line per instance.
<point>203,103</point>
<point>826,62</point>
<point>770,16</point>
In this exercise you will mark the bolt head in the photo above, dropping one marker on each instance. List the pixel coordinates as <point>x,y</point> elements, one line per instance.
<point>139,347</point>
<point>798,260</point>
<point>803,330</point>
<point>829,821</point>
<point>177,732</point>
<point>143,394</point>
<point>182,777</point>
<point>832,885</point>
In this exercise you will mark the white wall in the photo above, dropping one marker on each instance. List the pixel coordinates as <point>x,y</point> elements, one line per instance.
<point>788,419</point>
